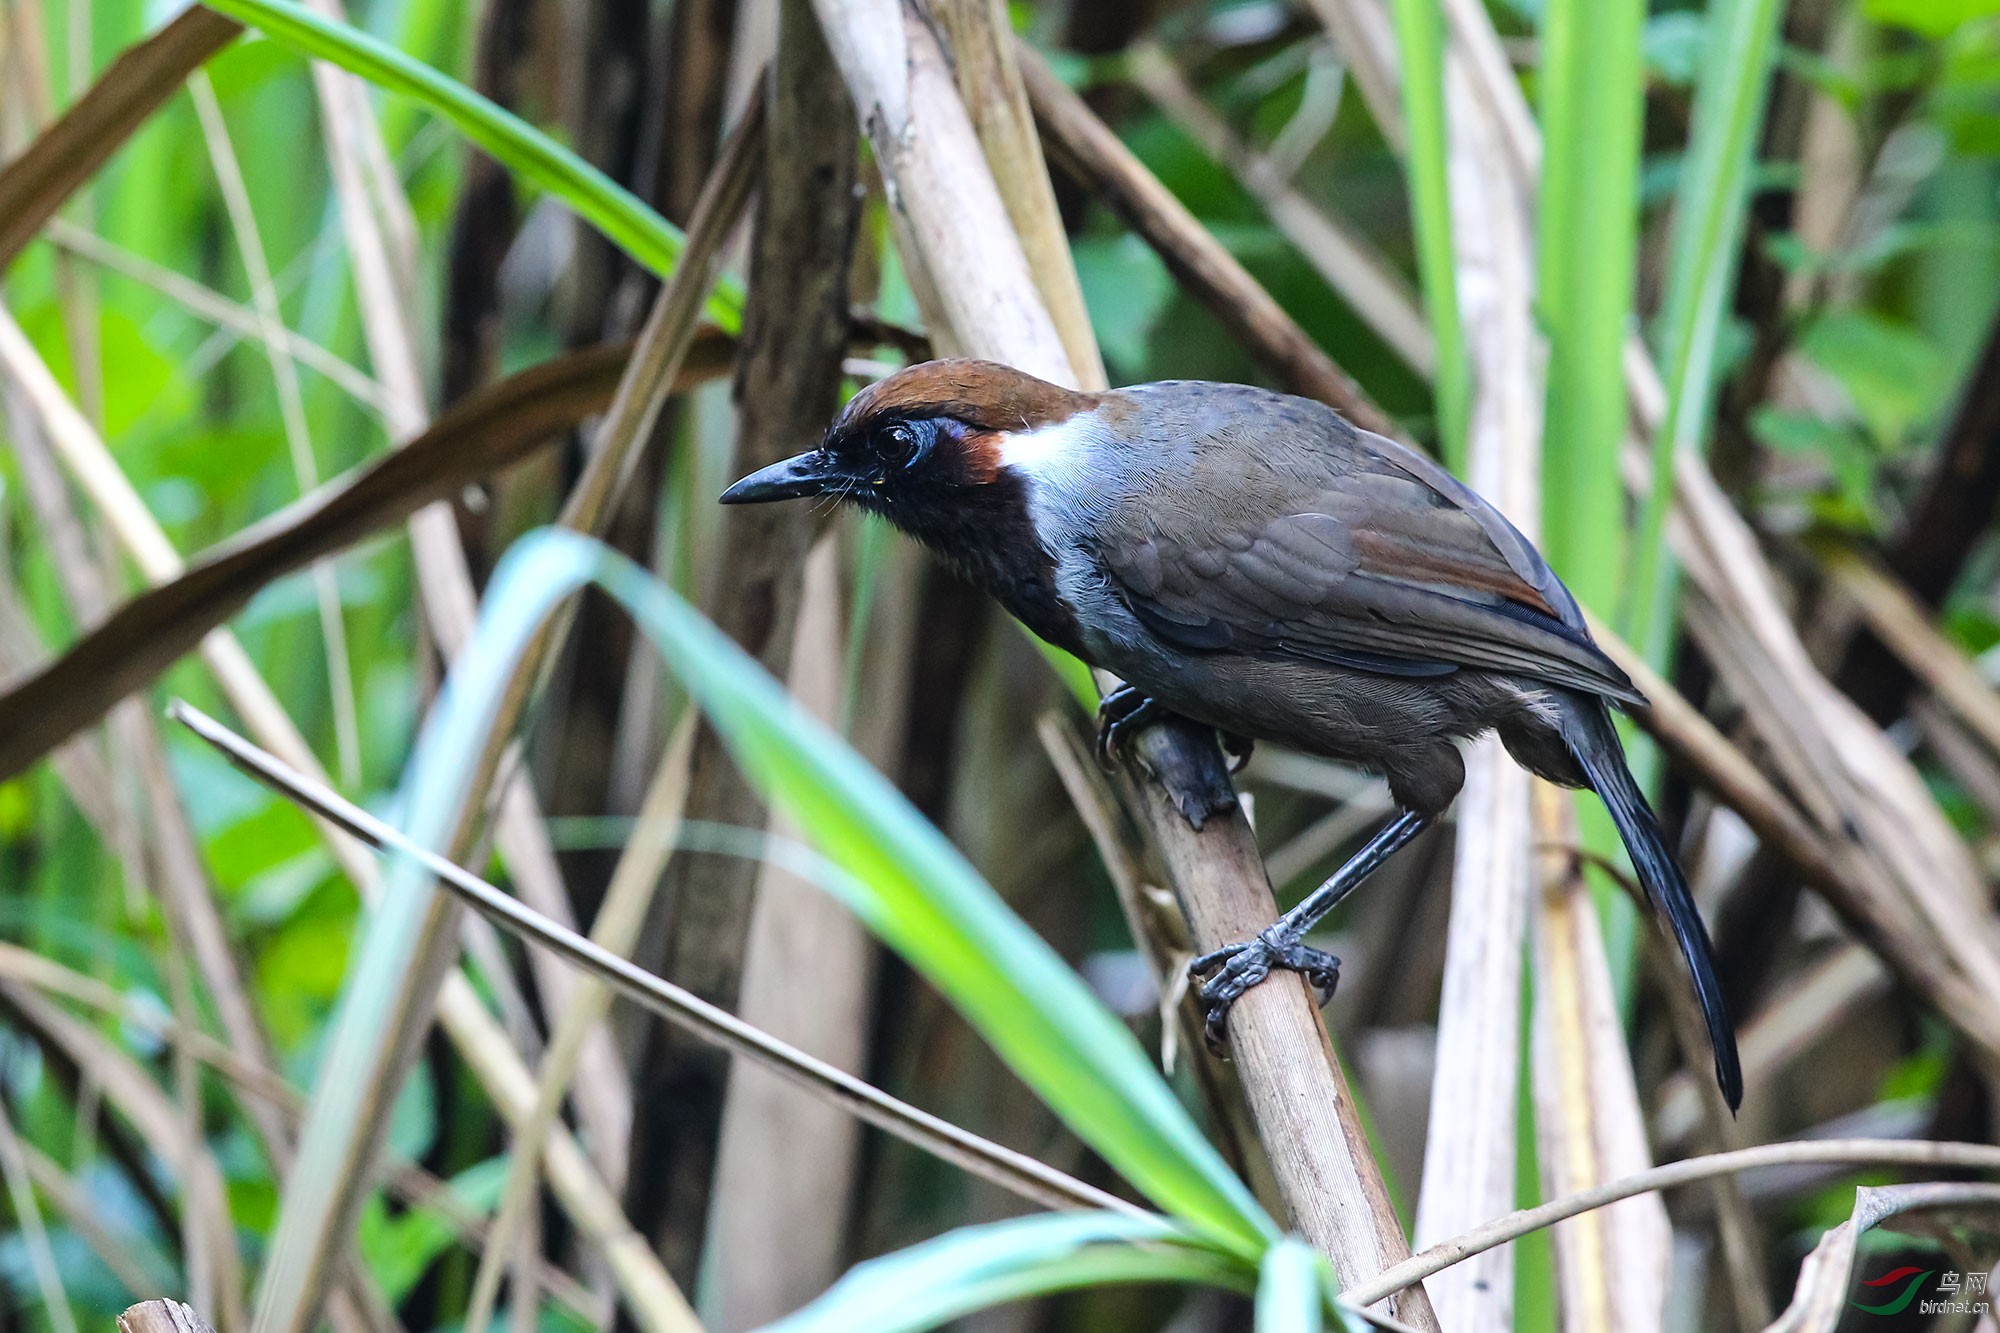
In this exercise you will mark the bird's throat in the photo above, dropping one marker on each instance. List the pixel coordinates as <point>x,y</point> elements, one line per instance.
<point>987,536</point>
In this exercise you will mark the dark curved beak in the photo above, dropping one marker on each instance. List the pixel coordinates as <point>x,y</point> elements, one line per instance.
<point>807,474</point>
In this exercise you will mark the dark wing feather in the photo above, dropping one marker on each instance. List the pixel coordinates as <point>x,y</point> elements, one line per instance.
<point>1359,554</point>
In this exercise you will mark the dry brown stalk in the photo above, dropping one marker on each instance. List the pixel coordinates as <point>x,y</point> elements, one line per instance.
<point>1160,932</point>
<point>985,60</point>
<point>35,184</point>
<point>1469,1160</point>
<point>952,225</point>
<point>787,1165</point>
<point>787,388</point>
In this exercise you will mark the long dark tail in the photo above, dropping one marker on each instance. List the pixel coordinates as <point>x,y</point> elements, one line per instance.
<point>1594,741</point>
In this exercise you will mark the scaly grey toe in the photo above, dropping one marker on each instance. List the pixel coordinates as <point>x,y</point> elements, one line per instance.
<point>1235,968</point>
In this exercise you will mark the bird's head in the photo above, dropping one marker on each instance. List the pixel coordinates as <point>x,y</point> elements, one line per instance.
<point>933,437</point>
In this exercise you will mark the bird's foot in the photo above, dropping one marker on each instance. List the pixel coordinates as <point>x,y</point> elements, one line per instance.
<point>1239,749</point>
<point>1198,787</point>
<point>1224,975</point>
<point>1123,714</point>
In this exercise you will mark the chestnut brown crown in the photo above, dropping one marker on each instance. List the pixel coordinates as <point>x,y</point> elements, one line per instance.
<point>936,424</point>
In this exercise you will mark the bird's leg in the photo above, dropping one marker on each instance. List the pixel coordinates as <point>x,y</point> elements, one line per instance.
<point>1239,749</point>
<point>1225,974</point>
<point>1123,713</point>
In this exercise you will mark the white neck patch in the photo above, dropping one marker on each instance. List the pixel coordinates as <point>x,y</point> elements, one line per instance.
<point>1050,453</point>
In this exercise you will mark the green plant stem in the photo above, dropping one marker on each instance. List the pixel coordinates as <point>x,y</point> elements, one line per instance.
<point>1588,238</point>
<point>1419,34</point>
<point>1709,216</point>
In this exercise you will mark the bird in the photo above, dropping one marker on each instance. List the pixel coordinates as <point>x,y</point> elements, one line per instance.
<point>1251,561</point>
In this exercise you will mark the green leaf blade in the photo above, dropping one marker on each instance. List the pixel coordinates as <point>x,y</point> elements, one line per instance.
<point>975,1268</point>
<point>903,879</point>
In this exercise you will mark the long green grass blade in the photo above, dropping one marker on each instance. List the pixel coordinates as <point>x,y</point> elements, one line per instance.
<point>530,154</point>
<point>1587,243</point>
<point>905,882</point>
<point>975,1268</point>
<point>1419,34</point>
<point>1710,210</point>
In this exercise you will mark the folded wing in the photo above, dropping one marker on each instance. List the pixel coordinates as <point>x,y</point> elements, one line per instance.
<point>1360,554</point>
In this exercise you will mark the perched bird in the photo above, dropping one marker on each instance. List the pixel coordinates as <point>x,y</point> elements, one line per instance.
<point>1252,562</point>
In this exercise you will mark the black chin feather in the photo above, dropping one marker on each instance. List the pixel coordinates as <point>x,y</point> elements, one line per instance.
<point>985,534</point>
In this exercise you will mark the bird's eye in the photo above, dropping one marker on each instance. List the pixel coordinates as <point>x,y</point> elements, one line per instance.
<point>902,443</point>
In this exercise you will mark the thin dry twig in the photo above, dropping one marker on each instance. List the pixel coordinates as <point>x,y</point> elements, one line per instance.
<point>34,1235</point>
<point>626,902</point>
<point>1844,1152</point>
<point>208,304</point>
<point>291,411</point>
<point>1014,1171</point>
<point>1903,624</point>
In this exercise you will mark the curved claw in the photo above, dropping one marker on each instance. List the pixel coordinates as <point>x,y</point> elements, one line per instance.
<point>1238,967</point>
<point>1122,712</point>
